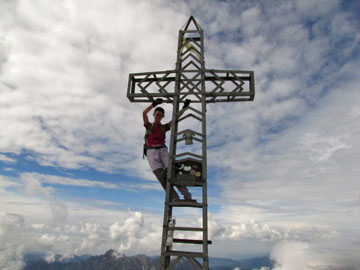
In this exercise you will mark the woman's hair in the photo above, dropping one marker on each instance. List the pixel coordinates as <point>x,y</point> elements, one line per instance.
<point>160,110</point>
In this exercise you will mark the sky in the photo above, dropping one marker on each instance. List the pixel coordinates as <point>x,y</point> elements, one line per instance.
<point>283,175</point>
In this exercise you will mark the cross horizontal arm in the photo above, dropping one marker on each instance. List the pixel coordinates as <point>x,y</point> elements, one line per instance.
<point>147,86</point>
<point>220,85</point>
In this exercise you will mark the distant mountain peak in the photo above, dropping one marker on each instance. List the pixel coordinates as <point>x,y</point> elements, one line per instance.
<point>111,253</point>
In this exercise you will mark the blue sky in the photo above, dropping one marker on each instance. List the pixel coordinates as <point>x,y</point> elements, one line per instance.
<point>283,174</point>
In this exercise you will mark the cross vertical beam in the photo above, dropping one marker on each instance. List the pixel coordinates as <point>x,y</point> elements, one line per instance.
<point>190,80</point>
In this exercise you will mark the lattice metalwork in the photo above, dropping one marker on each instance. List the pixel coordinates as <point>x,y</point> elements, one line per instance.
<point>221,85</point>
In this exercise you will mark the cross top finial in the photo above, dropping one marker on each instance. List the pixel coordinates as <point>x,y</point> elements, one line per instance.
<point>192,23</point>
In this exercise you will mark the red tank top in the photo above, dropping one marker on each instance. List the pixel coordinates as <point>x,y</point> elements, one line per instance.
<point>156,136</point>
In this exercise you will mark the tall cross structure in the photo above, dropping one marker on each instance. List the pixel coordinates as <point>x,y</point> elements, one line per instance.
<point>187,163</point>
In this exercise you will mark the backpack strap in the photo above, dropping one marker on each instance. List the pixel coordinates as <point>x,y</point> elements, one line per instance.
<point>148,130</point>
<point>163,129</point>
<point>147,133</point>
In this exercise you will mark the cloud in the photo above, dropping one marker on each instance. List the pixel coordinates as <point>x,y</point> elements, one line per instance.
<point>313,153</point>
<point>289,255</point>
<point>12,247</point>
<point>131,227</point>
<point>70,113</point>
<point>6,159</point>
<point>84,83</point>
<point>89,228</point>
<point>47,240</point>
<point>324,148</point>
<point>285,164</point>
<point>307,256</point>
<point>6,183</point>
<point>50,257</point>
<point>52,179</point>
<point>34,184</point>
<point>77,234</point>
<point>91,241</point>
<point>241,230</point>
<point>34,187</point>
<point>302,181</point>
<point>133,235</point>
<point>34,229</point>
<point>38,226</point>
<point>253,231</point>
<point>215,229</point>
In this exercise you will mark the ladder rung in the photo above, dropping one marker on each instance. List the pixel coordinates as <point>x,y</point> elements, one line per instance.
<point>187,159</point>
<point>185,177</point>
<point>185,229</point>
<point>189,154</point>
<point>193,38</point>
<point>183,203</point>
<point>188,182</point>
<point>190,241</point>
<point>184,253</point>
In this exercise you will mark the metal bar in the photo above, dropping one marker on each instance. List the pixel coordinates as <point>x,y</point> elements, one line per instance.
<point>193,38</point>
<point>187,159</point>
<point>183,139</point>
<point>228,94</point>
<point>186,204</point>
<point>252,84</point>
<point>188,154</point>
<point>129,87</point>
<point>140,99</point>
<point>192,131</point>
<point>195,262</point>
<point>153,72</point>
<point>240,94</point>
<point>190,115</point>
<point>175,262</point>
<point>195,110</point>
<point>191,19</point>
<point>191,62</point>
<point>189,54</point>
<point>204,166</point>
<point>188,181</point>
<point>190,241</point>
<point>228,70</point>
<point>207,78</point>
<point>191,31</point>
<point>184,253</point>
<point>164,259</point>
<point>185,229</point>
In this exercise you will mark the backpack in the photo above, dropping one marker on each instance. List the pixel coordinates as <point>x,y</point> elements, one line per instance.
<point>147,133</point>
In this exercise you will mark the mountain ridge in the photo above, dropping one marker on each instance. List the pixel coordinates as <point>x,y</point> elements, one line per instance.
<point>113,260</point>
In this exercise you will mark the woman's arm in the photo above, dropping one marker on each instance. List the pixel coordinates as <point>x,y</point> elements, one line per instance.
<point>152,105</point>
<point>145,112</point>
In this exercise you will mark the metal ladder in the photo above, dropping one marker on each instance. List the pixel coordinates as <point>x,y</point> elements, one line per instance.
<point>187,168</point>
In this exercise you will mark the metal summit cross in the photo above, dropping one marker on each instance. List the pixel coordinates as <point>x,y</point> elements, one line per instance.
<point>187,163</point>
